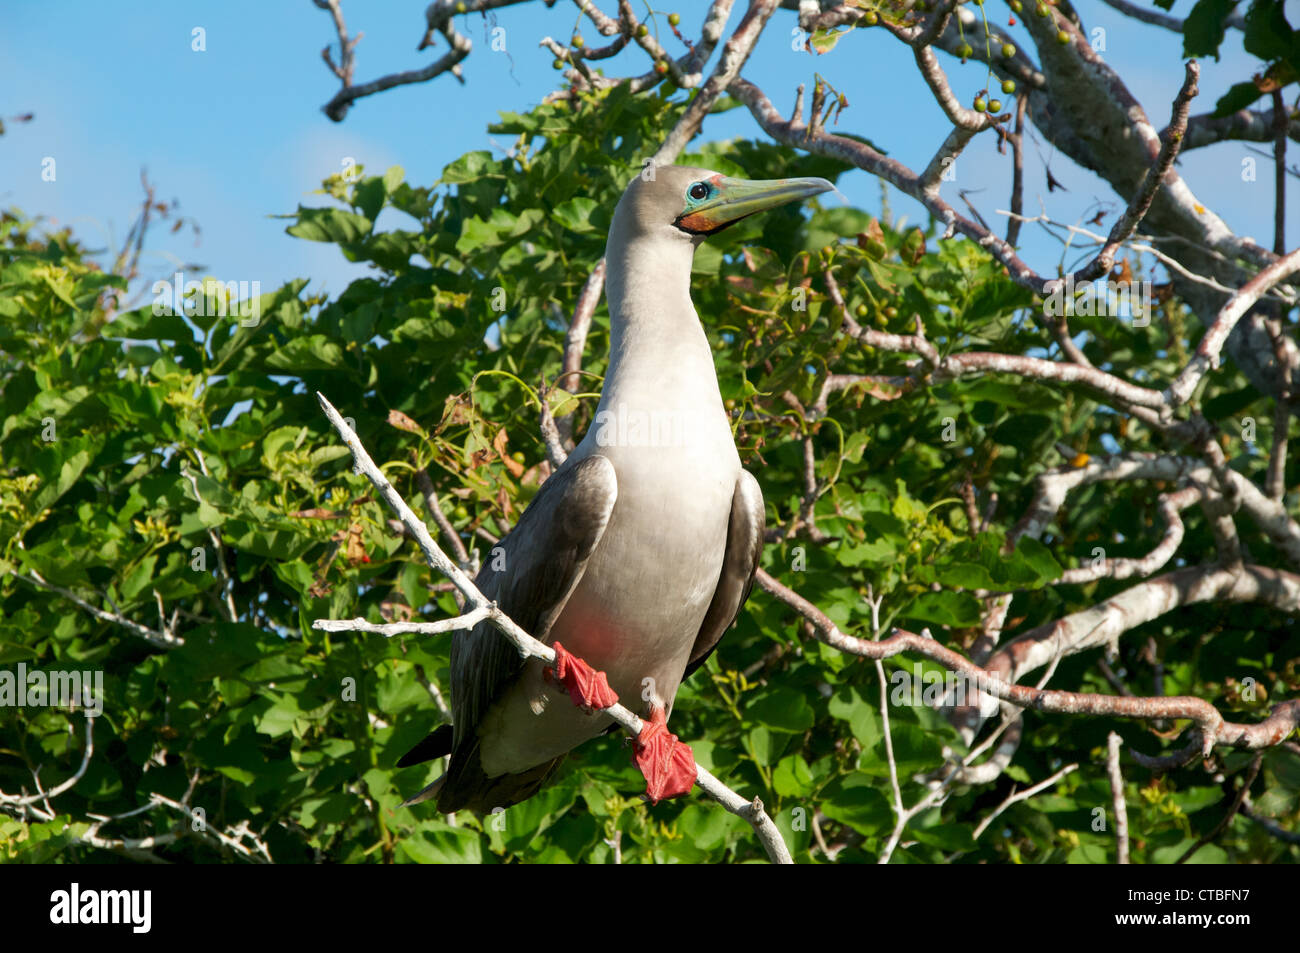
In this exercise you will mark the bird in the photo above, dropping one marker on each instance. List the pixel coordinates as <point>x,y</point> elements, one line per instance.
<point>640,550</point>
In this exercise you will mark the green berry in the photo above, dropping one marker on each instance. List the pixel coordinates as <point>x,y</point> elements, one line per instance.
<point>1016,6</point>
<point>1062,37</point>
<point>964,51</point>
<point>862,311</point>
<point>1042,10</point>
<point>461,8</point>
<point>891,312</point>
<point>1008,86</point>
<point>558,64</point>
<point>1008,50</point>
<point>995,105</point>
<point>980,104</point>
<point>828,251</point>
<point>871,19</point>
<point>577,41</point>
<point>674,19</point>
<point>642,30</point>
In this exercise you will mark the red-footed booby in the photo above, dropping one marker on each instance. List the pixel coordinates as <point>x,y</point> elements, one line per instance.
<point>640,550</point>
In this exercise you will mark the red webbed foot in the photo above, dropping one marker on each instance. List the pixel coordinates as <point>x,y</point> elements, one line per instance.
<point>588,688</point>
<point>668,764</point>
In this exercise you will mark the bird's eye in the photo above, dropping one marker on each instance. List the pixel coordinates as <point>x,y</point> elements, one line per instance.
<point>699,191</point>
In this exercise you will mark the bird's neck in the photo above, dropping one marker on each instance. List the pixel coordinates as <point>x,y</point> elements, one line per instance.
<point>659,355</point>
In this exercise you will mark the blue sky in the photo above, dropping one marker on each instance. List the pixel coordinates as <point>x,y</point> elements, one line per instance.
<point>235,132</point>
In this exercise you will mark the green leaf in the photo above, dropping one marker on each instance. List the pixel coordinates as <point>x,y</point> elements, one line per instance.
<point>792,776</point>
<point>1204,27</point>
<point>857,803</point>
<point>329,225</point>
<point>823,41</point>
<point>782,709</point>
<point>965,576</point>
<point>576,214</point>
<point>1038,558</point>
<point>848,705</point>
<point>1268,34</point>
<point>315,352</point>
<point>368,197</point>
<point>139,577</point>
<point>764,746</point>
<point>469,168</point>
<point>1238,96</point>
<point>435,843</point>
<point>393,178</point>
<point>947,608</point>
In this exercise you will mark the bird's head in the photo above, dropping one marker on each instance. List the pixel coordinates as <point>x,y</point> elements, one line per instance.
<point>691,204</point>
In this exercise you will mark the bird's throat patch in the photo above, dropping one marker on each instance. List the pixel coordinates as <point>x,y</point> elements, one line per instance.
<point>699,223</point>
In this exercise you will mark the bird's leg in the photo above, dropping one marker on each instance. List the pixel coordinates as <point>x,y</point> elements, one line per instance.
<point>668,764</point>
<point>588,688</point>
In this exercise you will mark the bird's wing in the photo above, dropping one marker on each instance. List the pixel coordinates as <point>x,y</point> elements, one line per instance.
<point>739,564</point>
<point>530,574</point>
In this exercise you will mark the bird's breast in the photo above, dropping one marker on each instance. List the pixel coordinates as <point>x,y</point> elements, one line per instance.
<point>637,610</point>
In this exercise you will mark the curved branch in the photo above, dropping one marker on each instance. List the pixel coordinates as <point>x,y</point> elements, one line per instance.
<point>1284,718</point>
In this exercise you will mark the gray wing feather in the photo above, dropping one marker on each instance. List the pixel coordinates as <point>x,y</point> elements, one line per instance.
<point>540,563</point>
<point>739,564</point>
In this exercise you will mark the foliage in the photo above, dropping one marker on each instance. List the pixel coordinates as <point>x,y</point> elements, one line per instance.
<point>128,445</point>
<point>1266,34</point>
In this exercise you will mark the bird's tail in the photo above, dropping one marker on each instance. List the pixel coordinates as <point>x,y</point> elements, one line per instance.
<point>424,795</point>
<point>436,744</point>
<point>465,785</point>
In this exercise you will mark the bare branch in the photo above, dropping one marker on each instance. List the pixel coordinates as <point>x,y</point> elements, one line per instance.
<point>1113,743</point>
<point>390,629</point>
<point>440,519</point>
<point>1270,825</point>
<point>1022,796</point>
<point>1284,718</point>
<point>16,800</point>
<point>347,47</point>
<point>1242,793</point>
<point>1140,203</point>
<point>163,640</point>
<point>551,436</point>
<point>1170,505</point>
<point>1207,352</point>
<point>575,340</point>
<point>438,16</point>
<point>1245,125</point>
<point>1017,171</point>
